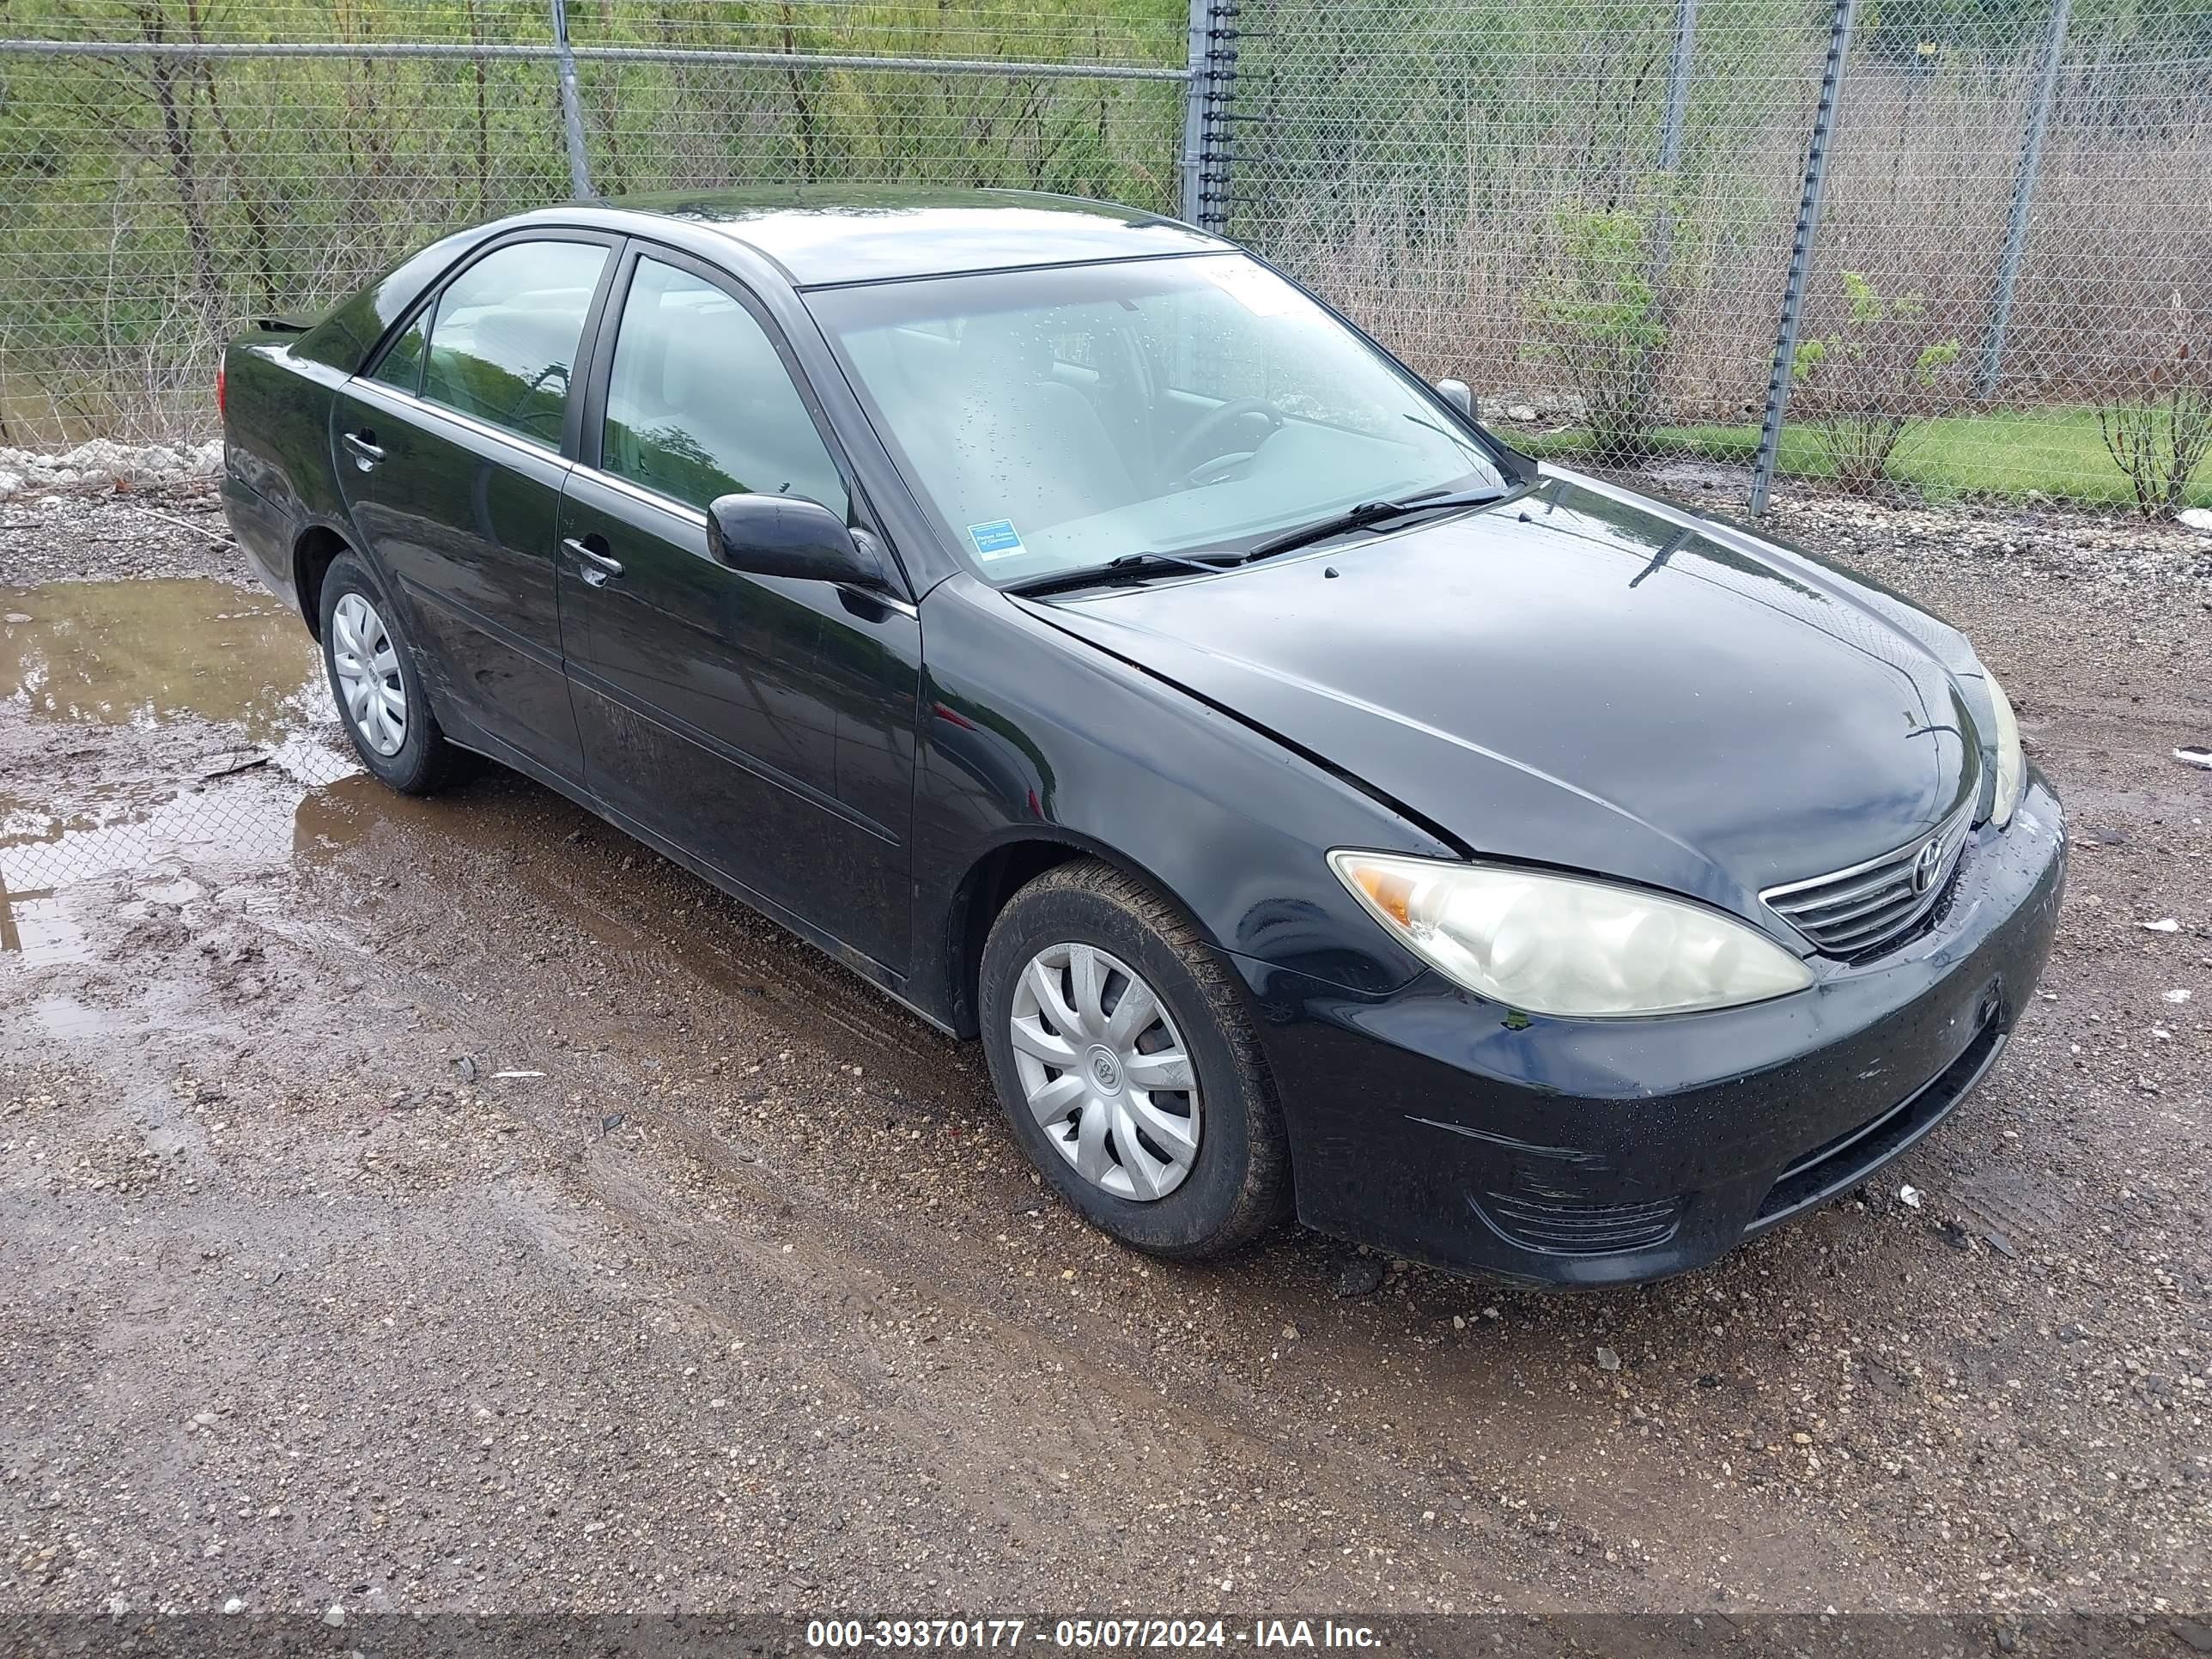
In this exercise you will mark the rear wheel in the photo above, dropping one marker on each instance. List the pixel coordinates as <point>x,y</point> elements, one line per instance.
<point>380,697</point>
<point>1127,1066</point>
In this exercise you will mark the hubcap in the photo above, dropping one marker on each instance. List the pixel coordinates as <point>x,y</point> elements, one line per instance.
<point>367,663</point>
<point>1105,1072</point>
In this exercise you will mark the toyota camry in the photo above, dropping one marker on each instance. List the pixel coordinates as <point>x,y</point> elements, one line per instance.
<point>1089,637</point>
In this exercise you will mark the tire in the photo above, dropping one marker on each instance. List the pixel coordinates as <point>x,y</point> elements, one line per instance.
<point>423,761</point>
<point>1238,1182</point>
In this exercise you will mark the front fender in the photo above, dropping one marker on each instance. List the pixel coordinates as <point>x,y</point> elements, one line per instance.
<point>1030,734</point>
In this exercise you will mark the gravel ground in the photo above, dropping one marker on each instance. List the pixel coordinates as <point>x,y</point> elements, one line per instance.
<point>451,1205</point>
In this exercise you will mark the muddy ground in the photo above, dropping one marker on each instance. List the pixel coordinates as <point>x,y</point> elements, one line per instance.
<point>451,1204</point>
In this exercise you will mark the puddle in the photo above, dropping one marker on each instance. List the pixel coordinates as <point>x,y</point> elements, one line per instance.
<point>168,744</point>
<point>238,774</point>
<point>304,800</point>
<point>144,652</point>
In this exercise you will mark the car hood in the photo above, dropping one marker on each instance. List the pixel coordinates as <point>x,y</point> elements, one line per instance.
<point>1582,677</point>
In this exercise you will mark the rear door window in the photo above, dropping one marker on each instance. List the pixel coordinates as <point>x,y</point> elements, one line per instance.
<point>503,346</point>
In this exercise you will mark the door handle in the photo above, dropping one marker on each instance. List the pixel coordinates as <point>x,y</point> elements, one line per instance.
<point>603,564</point>
<point>366,452</point>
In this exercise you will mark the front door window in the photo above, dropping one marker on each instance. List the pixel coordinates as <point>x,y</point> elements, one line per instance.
<point>699,404</point>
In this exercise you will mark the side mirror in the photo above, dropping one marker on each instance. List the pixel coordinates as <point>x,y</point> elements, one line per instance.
<point>1459,396</point>
<point>789,536</point>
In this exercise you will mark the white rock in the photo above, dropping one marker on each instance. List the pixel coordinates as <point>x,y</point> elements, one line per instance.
<point>236,1604</point>
<point>2163,925</point>
<point>1909,1196</point>
<point>2179,994</point>
<point>334,1615</point>
<point>2197,518</point>
<point>102,460</point>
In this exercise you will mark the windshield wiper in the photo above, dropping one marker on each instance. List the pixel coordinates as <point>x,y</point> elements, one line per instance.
<point>1368,514</point>
<point>1129,568</point>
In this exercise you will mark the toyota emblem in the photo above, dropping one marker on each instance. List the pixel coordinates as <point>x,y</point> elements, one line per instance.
<point>1924,867</point>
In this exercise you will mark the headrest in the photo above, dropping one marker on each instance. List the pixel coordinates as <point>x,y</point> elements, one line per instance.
<point>1004,346</point>
<point>713,354</point>
<point>527,343</point>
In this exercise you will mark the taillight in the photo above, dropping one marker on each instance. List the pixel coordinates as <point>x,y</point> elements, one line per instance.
<point>222,408</point>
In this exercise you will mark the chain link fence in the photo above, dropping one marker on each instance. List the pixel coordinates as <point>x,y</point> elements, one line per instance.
<point>1587,209</point>
<point>2001,210</point>
<point>171,168</point>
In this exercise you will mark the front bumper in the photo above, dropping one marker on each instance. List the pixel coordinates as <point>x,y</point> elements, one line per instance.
<point>1437,1125</point>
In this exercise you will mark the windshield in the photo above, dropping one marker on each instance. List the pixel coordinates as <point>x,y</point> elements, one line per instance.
<point>1054,419</point>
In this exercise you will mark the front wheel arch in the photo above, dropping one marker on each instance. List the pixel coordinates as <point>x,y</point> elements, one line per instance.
<point>990,885</point>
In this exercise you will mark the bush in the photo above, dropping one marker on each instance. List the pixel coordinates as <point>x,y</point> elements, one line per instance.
<point>1600,318</point>
<point>1863,388</point>
<point>2159,440</point>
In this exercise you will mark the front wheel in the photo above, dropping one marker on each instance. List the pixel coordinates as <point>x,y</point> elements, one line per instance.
<point>1127,1066</point>
<point>373,678</point>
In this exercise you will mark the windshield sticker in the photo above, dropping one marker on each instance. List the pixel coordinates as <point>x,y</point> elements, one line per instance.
<point>1259,291</point>
<point>995,540</point>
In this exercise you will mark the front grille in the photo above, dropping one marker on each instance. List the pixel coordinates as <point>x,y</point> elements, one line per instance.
<point>1858,911</point>
<point>1575,1226</point>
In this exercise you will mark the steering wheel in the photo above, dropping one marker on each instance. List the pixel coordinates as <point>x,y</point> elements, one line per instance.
<point>1199,449</point>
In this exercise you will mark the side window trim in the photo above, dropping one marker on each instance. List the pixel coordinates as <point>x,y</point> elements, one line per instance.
<point>589,449</point>
<point>425,310</point>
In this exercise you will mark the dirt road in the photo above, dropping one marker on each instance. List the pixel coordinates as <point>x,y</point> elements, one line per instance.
<point>445,1205</point>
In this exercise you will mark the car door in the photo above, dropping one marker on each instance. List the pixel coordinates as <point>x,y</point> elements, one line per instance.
<point>450,453</point>
<point>764,726</point>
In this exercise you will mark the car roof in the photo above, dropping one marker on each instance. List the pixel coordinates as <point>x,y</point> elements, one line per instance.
<point>824,234</point>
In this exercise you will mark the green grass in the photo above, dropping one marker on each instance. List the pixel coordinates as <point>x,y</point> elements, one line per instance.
<point>2005,454</point>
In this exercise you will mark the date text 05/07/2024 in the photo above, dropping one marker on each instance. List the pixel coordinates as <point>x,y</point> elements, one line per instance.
<point>1083,1635</point>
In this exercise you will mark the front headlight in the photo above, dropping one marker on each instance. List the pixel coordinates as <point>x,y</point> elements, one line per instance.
<point>1554,945</point>
<point>2012,765</point>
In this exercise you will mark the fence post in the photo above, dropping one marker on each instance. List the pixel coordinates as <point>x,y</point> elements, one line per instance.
<point>571,109</point>
<point>1800,251</point>
<point>1679,66</point>
<point>1206,110</point>
<point>2023,197</point>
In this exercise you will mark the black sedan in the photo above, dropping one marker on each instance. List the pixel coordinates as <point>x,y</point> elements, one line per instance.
<point>1089,637</point>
